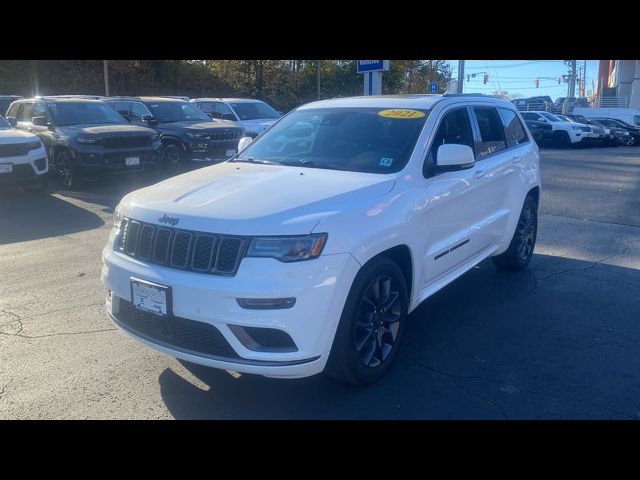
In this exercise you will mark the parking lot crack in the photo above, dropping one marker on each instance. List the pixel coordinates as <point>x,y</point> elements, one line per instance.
<point>539,280</point>
<point>21,335</point>
<point>456,380</point>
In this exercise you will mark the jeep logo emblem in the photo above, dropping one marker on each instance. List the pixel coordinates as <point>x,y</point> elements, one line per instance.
<point>173,221</point>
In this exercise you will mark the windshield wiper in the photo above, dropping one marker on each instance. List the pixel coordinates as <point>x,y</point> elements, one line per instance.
<point>253,160</point>
<point>310,164</point>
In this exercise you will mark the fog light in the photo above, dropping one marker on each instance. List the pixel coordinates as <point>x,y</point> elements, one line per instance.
<point>266,303</point>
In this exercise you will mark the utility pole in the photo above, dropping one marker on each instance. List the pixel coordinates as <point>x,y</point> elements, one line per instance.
<point>460,76</point>
<point>105,64</point>
<point>318,78</point>
<point>572,80</point>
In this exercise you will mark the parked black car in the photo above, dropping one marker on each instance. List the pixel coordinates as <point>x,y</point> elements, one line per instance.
<point>542,132</point>
<point>5,101</point>
<point>634,132</point>
<point>85,138</point>
<point>188,135</point>
<point>617,136</point>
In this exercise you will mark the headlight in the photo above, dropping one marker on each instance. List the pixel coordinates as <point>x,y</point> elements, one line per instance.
<point>198,135</point>
<point>88,140</point>
<point>288,249</point>
<point>35,144</point>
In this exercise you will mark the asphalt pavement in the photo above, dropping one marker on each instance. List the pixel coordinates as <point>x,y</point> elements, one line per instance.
<point>555,341</point>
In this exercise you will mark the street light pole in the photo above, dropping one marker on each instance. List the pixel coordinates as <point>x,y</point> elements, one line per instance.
<point>460,76</point>
<point>105,64</point>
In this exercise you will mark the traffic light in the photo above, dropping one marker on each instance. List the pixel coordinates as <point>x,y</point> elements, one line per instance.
<point>537,82</point>
<point>559,80</point>
<point>486,79</point>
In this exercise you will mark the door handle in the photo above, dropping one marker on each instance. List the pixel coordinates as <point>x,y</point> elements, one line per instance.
<point>479,173</point>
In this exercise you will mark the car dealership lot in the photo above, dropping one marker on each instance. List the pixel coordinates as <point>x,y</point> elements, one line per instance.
<point>557,340</point>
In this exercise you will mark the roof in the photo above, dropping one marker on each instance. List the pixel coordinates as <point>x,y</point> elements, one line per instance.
<point>424,102</point>
<point>234,100</point>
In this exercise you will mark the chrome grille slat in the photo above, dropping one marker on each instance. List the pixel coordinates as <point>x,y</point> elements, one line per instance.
<point>181,249</point>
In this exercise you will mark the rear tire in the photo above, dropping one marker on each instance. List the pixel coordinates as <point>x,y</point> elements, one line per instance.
<point>523,242</point>
<point>372,324</point>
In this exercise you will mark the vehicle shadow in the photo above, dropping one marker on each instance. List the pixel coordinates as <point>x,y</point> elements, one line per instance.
<point>541,343</point>
<point>27,216</point>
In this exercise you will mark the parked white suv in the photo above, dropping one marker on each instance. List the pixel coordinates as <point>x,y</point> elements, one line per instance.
<point>23,159</point>
<point>254,115</point>
<point>567,133</point>
<point>284,261</point>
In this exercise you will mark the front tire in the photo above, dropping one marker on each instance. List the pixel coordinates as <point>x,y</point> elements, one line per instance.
<point>68,170</point>
<point>562,140</point>
<point>520,250</point>
<point>372,324</point>
<point>173,159</point>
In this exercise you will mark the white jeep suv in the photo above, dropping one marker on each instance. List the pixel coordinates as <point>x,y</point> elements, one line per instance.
<point>298,256</point>
<point>23,159</point>
<point>565,132</point>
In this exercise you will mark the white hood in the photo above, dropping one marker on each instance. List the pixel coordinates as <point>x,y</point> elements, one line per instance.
<point>252,199</point>
<point>11,136</point>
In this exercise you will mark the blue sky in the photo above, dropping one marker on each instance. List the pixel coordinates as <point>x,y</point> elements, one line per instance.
<point>517,76</point>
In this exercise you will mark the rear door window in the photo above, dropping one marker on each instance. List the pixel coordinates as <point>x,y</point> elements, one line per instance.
<point>492,136</point>
<point>515,132</point>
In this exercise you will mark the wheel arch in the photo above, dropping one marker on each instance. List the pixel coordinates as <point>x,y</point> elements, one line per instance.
<point>401,254</point>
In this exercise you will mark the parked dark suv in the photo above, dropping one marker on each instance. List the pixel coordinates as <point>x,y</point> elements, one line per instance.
<point>188,135</point>
<point>85,138</point>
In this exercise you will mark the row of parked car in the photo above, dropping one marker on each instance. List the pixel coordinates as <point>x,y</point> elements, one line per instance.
<point>86,137</point>
<point>563,131</point>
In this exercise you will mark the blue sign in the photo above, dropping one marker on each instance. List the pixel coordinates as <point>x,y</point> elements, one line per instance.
<point>372,66</point>
<point>433,87</point>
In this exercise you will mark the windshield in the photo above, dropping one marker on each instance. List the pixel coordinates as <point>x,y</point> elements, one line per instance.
<point>4,125</point>
<point>253,110</point>
<point>76,113</point>
<point>372,140</point>
<point>165,112</point>
<point>550,117</point>
<point>565,119</point>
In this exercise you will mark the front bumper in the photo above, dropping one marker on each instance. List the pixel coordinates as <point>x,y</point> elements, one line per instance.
<point>98,161</point>
<point>207,151</point>
<point>319,286</point>
<point>29,170</point>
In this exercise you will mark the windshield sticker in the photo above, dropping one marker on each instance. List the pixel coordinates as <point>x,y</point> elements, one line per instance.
<point>386,162</point>
<point>401,113</point>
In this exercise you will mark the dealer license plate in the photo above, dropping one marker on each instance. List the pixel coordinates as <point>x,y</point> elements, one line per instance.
<point>151,297</point>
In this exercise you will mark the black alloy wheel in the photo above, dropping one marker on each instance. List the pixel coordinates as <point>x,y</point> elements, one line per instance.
<point>377,321</point>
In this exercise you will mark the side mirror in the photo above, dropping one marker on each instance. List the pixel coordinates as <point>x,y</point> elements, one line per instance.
<point>452,156</point>
<point>40,121</point>
<point>12,121</point>
<point>210,116</point>
<point>244,142</point>
<point>542,119</point>
<point>228,116</point>
<point>149,120</point>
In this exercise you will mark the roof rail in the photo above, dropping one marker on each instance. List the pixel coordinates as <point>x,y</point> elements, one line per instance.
<point>464,95</point>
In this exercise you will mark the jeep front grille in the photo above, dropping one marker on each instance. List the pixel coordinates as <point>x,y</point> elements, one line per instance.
<point>181,249</point>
